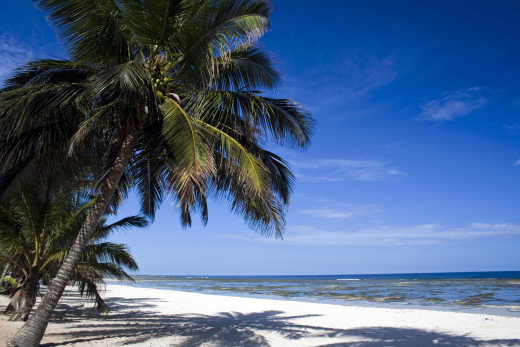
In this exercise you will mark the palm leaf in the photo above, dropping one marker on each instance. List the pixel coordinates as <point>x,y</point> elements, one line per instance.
<point>280,118</point>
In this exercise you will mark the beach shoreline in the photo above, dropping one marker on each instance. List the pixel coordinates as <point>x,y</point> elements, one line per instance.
<point>477,292</point>
<point>159,317</point>
<point>479,308</point>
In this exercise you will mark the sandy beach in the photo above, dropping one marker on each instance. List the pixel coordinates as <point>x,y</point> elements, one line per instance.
<point>155,317</point>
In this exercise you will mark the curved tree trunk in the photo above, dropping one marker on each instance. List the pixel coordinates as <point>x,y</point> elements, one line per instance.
<point>23,299</point>
<point>4,272</point>
<point>32,332</point>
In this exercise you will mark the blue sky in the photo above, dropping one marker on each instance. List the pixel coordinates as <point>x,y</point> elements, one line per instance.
<point>415,161</point>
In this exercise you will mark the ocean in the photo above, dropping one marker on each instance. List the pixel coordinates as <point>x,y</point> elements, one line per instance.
<point>489,292</point>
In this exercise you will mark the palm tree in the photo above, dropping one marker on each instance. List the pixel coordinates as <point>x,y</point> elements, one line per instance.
<point>36,230</point>
<point>103,259</point>
<point>170,91</point>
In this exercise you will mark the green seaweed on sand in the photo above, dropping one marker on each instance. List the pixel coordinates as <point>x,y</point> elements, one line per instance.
<point>388,298</point>
<point>335,295</point>
<point>476,299</point>
<point>285,293</point>
<point>405,284</point>
<point>434,300</point>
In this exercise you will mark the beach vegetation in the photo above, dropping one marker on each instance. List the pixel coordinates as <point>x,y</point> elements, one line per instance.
<point>7,285</point>
<point>36,230</point>
<point>171,93</point>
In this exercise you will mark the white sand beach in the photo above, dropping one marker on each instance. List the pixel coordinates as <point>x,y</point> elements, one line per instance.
<point>154,317</point>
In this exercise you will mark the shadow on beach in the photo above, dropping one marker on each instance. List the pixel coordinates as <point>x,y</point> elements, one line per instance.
<point>132,322</point>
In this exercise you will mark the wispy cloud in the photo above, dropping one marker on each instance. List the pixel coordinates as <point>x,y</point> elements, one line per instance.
<point>13,53</point>
<point>338,170</point>
<point>369,75</point>
<point>346,83</point>
<point>513,127</point>
<point>341,212</point>
<point>453,105</point>
<point>517,163</point>
<point>387,235</point>
<point>423,234</point>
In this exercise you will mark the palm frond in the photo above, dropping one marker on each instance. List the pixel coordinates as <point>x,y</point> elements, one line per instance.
<point>45,71</point>
<point>109,252</point>
<point>263,212</point>
<point>249,165</point>
<point>151,22</point>
<point>283,119</point>
<point>88,287</point>
<point>123,224</point>
<point>245,68</point>
<point>150,175</point>
<point>94,30</point>
<point>217,27</point>
<point>180,77</point>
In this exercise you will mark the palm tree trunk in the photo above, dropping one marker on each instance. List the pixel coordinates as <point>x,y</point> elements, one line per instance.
<point>4,272</point>
<point>31,333</point>
<point>24,298</point>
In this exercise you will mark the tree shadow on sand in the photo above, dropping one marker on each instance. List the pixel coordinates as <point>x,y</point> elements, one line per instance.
<point>127,320</point>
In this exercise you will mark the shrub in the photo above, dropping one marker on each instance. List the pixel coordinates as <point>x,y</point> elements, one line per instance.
<point>8,285</point>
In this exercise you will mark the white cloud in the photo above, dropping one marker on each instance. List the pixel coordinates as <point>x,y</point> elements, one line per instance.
<point>387,235</point>
<point>340,213</point>
<point>517,163</point>
<point>453,105</point>
<point>13,54</point>
<point>338,170</point>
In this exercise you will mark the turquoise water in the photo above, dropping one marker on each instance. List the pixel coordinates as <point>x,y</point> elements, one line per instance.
<point>491,292</point>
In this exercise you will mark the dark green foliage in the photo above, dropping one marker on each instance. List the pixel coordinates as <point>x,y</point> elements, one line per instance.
<point>160,96</point>
<point>38,227</point>
<point>183,76</point>
<point>8,285</point>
